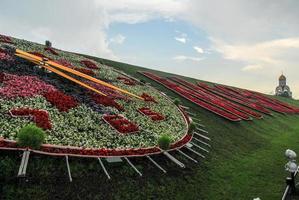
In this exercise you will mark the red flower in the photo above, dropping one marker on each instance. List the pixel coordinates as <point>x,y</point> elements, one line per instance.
<point>40,117</point>
<point>85,71</point>
<point>39,54</point>
<point>147,97</point>
<point>61,101</point>
<point>89,64</point>
<point>51,50</point>
<point>106,101</point>
<point>127,81</point>
<point>153,115</point>
<point>64,63</point>
<point>121,124</point>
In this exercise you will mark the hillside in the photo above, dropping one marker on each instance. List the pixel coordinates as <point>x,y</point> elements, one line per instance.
<point>246,161</point>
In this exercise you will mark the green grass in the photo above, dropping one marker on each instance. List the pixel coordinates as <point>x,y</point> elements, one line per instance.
<point>246,161</point>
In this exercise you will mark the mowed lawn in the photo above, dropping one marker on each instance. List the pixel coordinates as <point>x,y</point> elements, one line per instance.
<point>246,161</point>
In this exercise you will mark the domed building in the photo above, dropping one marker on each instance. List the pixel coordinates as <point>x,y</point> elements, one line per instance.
<point>282,89</point>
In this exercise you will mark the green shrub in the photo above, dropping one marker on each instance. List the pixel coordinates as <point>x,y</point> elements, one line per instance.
<point>192,127</point>
<point>164,142</point>
<point>30,136</point>
<point>177,101</point>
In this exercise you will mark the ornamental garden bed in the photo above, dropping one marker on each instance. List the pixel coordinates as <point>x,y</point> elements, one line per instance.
<point>72,117</point>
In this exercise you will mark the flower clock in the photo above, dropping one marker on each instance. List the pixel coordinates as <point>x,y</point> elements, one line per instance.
<point>113,116</point>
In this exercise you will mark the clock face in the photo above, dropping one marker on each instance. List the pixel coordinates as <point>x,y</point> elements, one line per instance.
<point>79,118</point>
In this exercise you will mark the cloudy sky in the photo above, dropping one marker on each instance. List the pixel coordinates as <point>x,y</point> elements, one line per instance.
<point>242,43</point>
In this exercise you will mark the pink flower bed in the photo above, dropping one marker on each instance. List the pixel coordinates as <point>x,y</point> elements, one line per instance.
<point>23,86</point>
<point>5,56</point>
<point>5,39</point>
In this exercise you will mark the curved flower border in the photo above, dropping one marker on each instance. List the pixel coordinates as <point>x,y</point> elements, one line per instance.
<point>57,150</point>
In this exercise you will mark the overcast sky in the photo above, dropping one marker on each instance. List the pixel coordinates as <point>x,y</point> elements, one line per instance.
<point>242,43</point>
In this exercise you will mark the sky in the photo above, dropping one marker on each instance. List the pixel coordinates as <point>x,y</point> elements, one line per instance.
<point>241,43</point>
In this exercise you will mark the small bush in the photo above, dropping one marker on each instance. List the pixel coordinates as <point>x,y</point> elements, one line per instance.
<point>30,136</point>
<point>164,142</point>
<point>177,101</point>
<point>192,127</point>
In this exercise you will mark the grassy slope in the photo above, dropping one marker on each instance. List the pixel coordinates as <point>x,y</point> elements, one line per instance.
<point>246,161</point>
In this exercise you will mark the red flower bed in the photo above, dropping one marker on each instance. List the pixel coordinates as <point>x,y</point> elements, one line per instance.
<point>187,95</point>
<point>106,101</point>
<point>5,39</point>
<point>121,124</point>
<point>64,63</point>
<point>147,97</point>
<point>40,117</point>
<point>60,100</point>
<point>84,71</point>
<point>234,99</point>
<point>23,86</point>
<point>89,64</point>
<point>126,81</point>
<point>51,50</point>
<point>39,54</point>
<point>153,115</point>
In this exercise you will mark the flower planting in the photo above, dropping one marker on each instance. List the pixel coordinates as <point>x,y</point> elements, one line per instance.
<point>107,101</point>
<point>153,115</point>
<point>126,81</point>
<point>5,39</point>
<point>39,54</point>
<point>84,71</point>
<point>23,86</point>
<point>89,64</point>
<point>5,56</point>
<point>80,121</point>
<point>65,63</point>
<point>40,117</point>
<point>61,101</point>
<point>147,97</point>
<point>121,124</point>
<point>51,50</point>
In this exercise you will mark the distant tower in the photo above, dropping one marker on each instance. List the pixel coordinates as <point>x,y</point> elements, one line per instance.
<point>282,89</point>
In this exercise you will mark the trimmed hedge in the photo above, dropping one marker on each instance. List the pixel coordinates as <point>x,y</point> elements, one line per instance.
<point>164,142</point>
<point>30,136</point>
